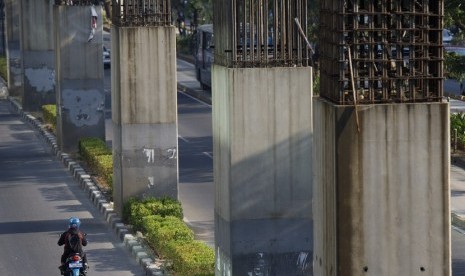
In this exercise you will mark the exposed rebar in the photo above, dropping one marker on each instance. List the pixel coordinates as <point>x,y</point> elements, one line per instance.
<point>395,45</point>
<point>141,12</point>
<point>260,33</point>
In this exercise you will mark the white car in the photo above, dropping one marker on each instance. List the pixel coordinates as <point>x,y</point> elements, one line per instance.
<point>106,57</point>
<point>447,36</point>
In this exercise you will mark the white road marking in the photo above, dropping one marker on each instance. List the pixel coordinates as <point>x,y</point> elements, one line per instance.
<point>195,99</point>
<point>208,154</point>
<point>182,138</point>
<point>458,230</point>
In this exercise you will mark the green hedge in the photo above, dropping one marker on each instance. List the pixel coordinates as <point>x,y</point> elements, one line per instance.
<point>104,168</point>
<point>161,222</point>
<point>99,157</point>
<point>49,114</point>
<point>162,230</point>
<point>192,258</point>
<point>3,68</point>
<point>91,148</point>
<point>135,210</point>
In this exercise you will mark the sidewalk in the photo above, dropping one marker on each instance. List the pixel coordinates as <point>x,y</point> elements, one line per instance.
<point>457,190</point>
<point>135,245</point>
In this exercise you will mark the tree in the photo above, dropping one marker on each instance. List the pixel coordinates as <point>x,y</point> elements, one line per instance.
<point>454,12</point>
<point>196,11</point>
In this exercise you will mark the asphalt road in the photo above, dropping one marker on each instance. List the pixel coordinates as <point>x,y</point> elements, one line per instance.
<point>37,196</point>
<point>196,189</point>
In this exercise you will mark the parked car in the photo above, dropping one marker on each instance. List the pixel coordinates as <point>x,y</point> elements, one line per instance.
<point>106,57</point>
<point>447,36</point>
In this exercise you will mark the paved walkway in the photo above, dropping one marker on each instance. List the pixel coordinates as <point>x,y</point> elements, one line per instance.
<point>457,187</point>
<point>42,188</point>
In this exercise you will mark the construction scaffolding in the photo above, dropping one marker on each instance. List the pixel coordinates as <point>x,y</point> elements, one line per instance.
<point>378,51</point>
<point>261,33</point>
<point>133,13</point>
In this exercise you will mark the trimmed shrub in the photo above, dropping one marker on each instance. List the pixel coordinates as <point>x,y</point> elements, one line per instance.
<point>3,68</point>
<point>134,210</point>
<point>49,114</point>
<point>160,231</point>
<point>161,222</point>
<point>192,258</point>
<point>90,148</point>
<point>104,168</point>
<point>98,157</point>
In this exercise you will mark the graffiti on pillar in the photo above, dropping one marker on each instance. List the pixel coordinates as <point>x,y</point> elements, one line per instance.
<point>41,79</point>
<point>223,263</point>
<point>261,267</point>
<point>159,157</point>
<point>303,262</point>
<point>171,153</point>
<point>151,180</point>
<point>82,107</point>
<point>150,153</point>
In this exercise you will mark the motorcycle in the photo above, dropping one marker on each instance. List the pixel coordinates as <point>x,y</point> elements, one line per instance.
<point>74,266</point>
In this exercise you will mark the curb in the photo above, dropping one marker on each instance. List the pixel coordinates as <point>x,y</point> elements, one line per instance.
<point>201,95</point>
<point>141,253</point>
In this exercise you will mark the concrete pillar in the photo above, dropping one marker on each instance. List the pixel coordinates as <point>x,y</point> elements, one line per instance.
<point>79,76</point>
<point>13,51</point>
<point>381,195</point>
<point>2,28</point>
<point>262,141</point>
<point>37,49</point>
<point>144,113</point>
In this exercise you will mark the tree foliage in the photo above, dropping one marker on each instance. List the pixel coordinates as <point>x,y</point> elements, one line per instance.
<point>454,12</point>
<point>455,66</point>
<point>198,12</point>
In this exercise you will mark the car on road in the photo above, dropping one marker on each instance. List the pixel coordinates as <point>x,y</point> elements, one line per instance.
<point>106,57</point>
<point>447,36</point>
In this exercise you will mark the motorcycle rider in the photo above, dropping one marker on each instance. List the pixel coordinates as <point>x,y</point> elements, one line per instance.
<point>73,229</point>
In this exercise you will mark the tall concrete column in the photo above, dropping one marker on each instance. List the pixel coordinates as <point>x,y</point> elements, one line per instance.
<point>13,51</point>
<point>262,137</point>
<point>37,49</point>
<point>381,197</point>
<point>144,113</point>
<point>79,76</point>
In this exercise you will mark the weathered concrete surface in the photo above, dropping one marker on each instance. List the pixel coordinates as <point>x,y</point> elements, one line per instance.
<point>13,51</point>
<point>37,50</point>
<point>381,197</point>
<point>262,140</point>
<point>144,113</point>
<point>79,76</point>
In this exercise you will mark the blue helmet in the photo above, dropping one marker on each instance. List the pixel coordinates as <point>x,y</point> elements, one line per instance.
<point>74,222</point>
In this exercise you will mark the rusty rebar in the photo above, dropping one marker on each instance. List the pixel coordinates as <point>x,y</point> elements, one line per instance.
<point>141,12</point>
<point>395,47</point>
<point>260,33</point>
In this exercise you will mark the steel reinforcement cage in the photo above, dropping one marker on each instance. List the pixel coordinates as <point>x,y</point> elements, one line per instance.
<point>76,2</point>
<point>378,51</point>
<point>133,13</point>
<point>261,33</point>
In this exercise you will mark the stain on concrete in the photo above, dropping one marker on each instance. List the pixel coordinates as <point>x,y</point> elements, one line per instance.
<point>84,106</point>
<point>41,79</point>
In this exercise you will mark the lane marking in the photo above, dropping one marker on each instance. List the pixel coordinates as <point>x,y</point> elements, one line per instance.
<point>194,98</point>
<point>208,154</point>
<point>182,138</point>
<point>458,230</point>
